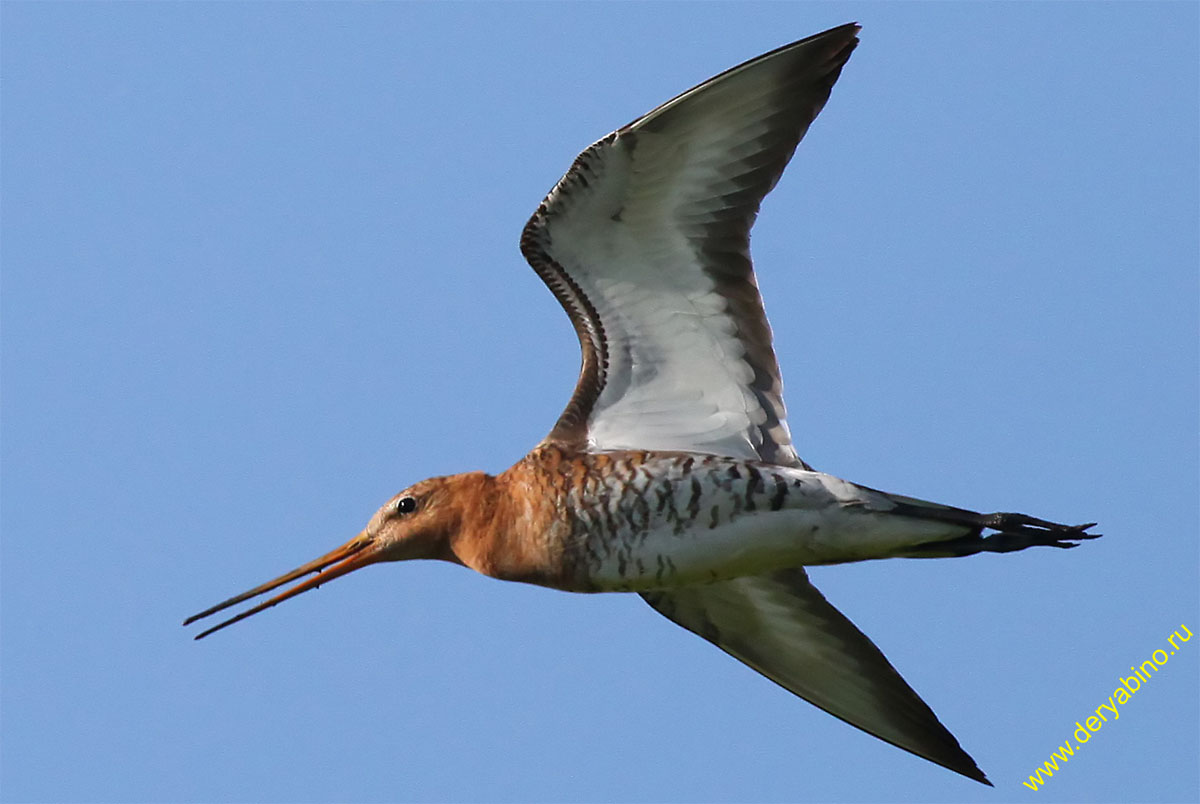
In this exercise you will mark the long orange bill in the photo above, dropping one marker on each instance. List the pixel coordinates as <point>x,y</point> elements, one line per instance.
<point>350,556</point>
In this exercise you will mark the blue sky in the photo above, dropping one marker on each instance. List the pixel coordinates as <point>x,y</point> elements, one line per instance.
<point>260,272</point>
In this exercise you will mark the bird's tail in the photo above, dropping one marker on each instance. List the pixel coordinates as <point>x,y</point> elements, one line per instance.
<point>1011,532</point>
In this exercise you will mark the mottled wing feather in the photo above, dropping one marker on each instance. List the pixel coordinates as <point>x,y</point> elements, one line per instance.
<point>645,242</point>
<point>780,625</point>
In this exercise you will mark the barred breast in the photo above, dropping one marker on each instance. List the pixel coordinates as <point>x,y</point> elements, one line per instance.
<point>633,521</point>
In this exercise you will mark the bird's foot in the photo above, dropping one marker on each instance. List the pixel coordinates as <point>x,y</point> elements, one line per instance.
<point>1019,531</point>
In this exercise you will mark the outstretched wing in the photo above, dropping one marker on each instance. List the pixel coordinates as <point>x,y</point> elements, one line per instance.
<point>784,628</point>
<point>645,242</point>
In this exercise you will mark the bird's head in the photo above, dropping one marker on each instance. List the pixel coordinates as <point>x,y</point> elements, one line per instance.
<point>419,522</point>
<point>422,521</point>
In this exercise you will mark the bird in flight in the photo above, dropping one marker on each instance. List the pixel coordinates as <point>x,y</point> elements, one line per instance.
<point>671,473</point>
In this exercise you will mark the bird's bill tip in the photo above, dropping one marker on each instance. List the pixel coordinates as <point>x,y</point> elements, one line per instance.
<point>358,552</point>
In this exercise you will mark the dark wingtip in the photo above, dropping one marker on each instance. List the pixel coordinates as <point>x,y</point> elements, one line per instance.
<point>971,771</point>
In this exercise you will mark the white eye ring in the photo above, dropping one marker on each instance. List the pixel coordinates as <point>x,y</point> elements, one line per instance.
<point>406,505</point>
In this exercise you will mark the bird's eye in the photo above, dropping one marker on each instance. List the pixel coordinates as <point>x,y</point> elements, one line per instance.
<point>406,505</point>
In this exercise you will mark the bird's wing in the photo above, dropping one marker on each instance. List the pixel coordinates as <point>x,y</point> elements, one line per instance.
<point>645,243</point>
<point>784,628</point>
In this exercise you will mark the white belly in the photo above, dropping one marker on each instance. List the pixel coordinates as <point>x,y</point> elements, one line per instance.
<point>674,522</point>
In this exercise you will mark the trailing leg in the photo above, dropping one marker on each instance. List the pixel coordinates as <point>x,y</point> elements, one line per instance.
<point>1013,532</point>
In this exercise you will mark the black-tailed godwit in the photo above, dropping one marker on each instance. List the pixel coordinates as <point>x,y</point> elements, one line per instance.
<point>671,473</point>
